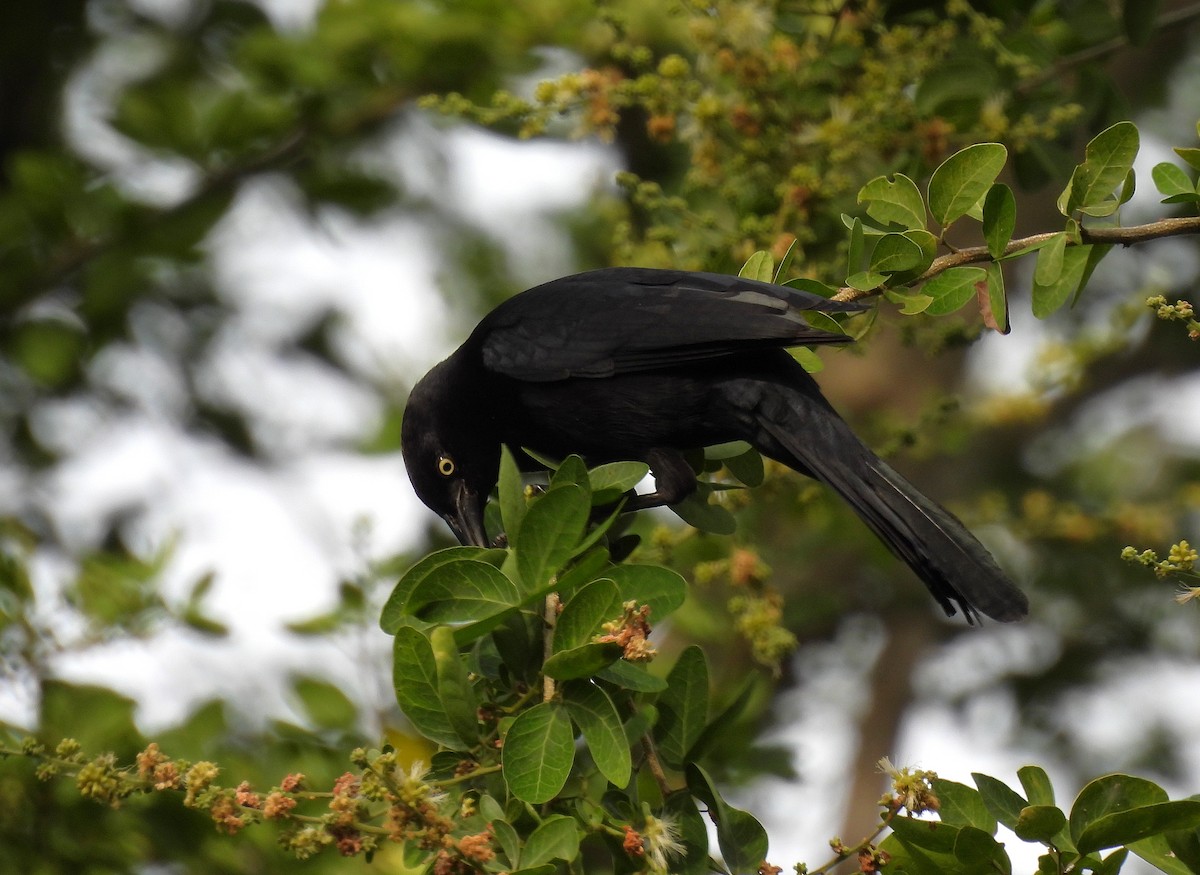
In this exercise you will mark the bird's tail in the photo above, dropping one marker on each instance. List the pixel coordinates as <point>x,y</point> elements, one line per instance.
<point>950,560</point>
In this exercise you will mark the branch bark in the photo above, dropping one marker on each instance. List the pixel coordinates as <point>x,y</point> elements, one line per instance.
<point>977,254</point>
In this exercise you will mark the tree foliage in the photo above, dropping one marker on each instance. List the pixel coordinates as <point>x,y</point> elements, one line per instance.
<point>963,163</point>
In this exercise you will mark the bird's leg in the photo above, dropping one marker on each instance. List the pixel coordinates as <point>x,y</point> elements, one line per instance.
<point>674,480</point>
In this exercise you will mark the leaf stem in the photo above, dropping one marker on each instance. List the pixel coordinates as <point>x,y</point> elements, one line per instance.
<point>1173,227</point>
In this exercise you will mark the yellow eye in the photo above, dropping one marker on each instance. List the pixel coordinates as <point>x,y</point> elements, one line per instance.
<point>445,466</point>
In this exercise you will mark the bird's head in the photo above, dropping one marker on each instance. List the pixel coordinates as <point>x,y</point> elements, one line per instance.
<point>450,461</point>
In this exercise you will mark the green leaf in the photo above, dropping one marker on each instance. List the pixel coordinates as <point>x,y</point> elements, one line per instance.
<point>572,471</point>
<point>976,849</point>
<point>683,707</point>
<point>661,588</point>
<point>805,284</point>
<point>1095,252</point>
<point>395,610</point>
<point>963,805</point>
<point>895,253</point>
<point>692,832</point>
<point>538,752</point>
<point>511,490</point>
<point>1108,795</point>
<point>952,288</point>
<point>1004,803</point>
<point>462,592</point>
<point>584,661</point>
<point>896,200</point>
<point>1128,188</point>
<point>585,612</point>
<point>1050,260</point>
<point>1107,161</point>
<point>414,675</point>
<point>1040,823</point>
<point>1048,298</point>
<point>630,676</point>
<point>748,468</point>
<point>1191,155</point>
<point>1126,827</point>
<point>963,179</point>
<point>721,452</point>
<point>506,837</point>
<point>786,262</point>
<point>865,280</point>
<point>582,571</point>
<point>1112,864</point>
<point>759,266</point>
<point>700,513</point>
<point>549,533</point>
<point>929,835</point>
<point>1036,784</point>
<point>454,689</point>
<point>910,305</point>
<point>994,305</point>
<point>611,481</point>
<point>1158,852</point>
<point>742,838</point>
<point>324,704</point>
<point>1185,845</point>
<point>999,218</point>
<point>854,252</point>
<point>1171,179</point>
<point>597,718</point>
<point>556,838</point>
<point>812,364</point>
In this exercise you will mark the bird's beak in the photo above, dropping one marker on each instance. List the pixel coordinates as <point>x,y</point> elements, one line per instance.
<point>467,519</point>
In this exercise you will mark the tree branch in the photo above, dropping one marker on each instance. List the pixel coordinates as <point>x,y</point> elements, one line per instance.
<point>977,254</point>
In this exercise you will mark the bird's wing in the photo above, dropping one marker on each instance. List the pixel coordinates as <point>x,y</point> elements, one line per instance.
<point>619,320</point>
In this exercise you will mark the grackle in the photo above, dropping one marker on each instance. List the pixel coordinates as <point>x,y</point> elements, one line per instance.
<point>642,364</point>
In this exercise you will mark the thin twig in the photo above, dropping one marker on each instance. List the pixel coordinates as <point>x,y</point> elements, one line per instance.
<point>552,603</point>
<point>656,769</point>
<point>977,254</point>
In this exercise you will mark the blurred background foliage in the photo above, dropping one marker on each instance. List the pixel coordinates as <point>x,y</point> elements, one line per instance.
<point>131,129</point>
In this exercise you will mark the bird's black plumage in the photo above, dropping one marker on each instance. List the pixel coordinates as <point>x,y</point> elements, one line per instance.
<point>635,363</point>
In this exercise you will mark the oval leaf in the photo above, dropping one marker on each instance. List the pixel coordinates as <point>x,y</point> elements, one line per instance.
<point>586,611</point>
<point>1125,827</point>
<point>414,675</point>
<point>549,533</point>
<point>556,838</point>
<point>600,724</point>
<point>895,253</point>
<point>396,608</point>
<point>1039,823</point>
<point>683,707</point>
<point>896,200</point>
<point>999,218</point>
<point>584,661</point>
<point>1107,161</point>
<point>952,288</point>
<point>661,588</point>
<point>538,752</point>
<point>963,179</point>
<point>463,591</point>
<point>1171,179</point>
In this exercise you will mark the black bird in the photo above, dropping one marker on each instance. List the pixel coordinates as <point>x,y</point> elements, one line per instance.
<point>642,364</point>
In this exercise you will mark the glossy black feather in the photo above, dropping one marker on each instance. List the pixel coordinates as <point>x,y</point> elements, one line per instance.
<point>620,320</point>
<point>630,363</point>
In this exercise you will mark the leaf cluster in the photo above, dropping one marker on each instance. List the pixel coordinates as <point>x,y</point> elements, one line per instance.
<point>534,658</point>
